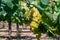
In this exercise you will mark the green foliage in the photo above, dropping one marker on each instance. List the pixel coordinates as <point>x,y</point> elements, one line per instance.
<point>8,2</point>
<point>14,10</point>
<point>45,2</point>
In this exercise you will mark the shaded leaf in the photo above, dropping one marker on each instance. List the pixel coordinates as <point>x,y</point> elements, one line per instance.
<point>8,2</point>
<point>45,2</point>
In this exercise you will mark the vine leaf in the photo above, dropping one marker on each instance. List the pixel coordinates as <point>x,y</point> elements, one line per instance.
<point>8,2</point>
<point>45,2</point>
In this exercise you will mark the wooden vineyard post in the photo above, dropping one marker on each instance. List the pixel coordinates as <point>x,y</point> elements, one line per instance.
<point>17,27</point>
<point>9,30</point>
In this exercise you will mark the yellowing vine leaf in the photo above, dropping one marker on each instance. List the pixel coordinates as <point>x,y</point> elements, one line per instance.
<point>36,15</point>
<point>36,19</point>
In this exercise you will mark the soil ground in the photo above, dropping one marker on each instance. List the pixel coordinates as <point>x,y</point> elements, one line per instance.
<point>25,31</point>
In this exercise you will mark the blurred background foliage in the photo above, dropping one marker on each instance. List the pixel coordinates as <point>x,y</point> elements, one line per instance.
<point>14,11</point>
